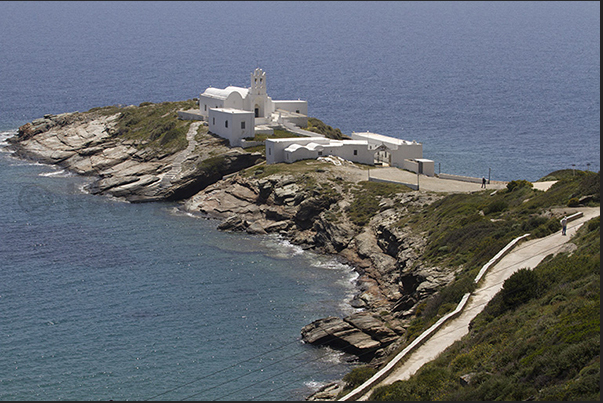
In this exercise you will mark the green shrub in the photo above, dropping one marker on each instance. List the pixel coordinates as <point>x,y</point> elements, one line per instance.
<point>213,165</point>
<point>495,207</point>
<point>521,287</point>
<point>518,184</point>
<point>358,376</point>
<point>547,349</point>
<point>155,125</point>
<point>573,202</point>
<point>594,224</point>
<point>367,197</point>
<point>317,126</point>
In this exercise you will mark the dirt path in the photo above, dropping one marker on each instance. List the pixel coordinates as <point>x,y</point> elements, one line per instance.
<point>166,181</point>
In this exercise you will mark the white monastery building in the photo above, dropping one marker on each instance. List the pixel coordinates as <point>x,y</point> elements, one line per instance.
<point>365,148</point>
<point>237,114</point>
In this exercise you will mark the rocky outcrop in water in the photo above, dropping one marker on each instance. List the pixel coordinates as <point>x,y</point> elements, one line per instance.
<point>88,144</point>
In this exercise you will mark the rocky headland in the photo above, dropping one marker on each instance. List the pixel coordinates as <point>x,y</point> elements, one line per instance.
<point>90,144</point>
<point>306,207</point>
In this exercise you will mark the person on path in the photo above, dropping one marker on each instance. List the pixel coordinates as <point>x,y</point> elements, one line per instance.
<point>563,225</point>
<point>484,182</point>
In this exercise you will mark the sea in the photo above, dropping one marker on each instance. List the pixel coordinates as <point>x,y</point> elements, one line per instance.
<point>106,300</point>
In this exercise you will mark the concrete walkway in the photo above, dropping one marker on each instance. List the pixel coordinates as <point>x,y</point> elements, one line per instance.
<point>429,183</point>
<point>434,184</point>
<point>527,255</point>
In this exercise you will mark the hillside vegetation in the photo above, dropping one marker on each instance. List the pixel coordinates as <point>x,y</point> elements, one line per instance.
<point>317,126</point>
<point>538,339</point>
<point>152,125</point>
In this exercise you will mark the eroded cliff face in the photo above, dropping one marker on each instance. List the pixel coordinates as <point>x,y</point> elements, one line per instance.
<point>310,210</point>
<point>88,144</point>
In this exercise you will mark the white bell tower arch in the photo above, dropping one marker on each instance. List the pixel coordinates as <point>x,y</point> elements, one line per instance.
<point>258,82</point>
<point>258,93</point>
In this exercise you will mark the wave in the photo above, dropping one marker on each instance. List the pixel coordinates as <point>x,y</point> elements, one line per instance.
<point>281,248</point>
<point>178,211</point>
<point>5,135</point>
<point>60,173</point>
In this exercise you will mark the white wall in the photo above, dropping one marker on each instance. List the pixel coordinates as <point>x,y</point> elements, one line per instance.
<point>275,147</point>
<point>407,151</point>
<point>233,131</point>
<point>234,101</point>
<point>275,150</point>
<point>205,103</point>
<point>427,167</point>
<point>292,106</point>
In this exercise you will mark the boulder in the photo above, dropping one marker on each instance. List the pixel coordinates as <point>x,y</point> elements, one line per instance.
<point>372,325</point>
<point>328,392</point>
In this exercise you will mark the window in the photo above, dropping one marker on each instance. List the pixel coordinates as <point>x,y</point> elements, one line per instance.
<point>214,121</point>
<point>242,125</point>
<point>355,152</point>
<point>297,111</point>
<point>226,123</point>
<point>320,153</point>
<point>205,107</point>
<point>270,151</point>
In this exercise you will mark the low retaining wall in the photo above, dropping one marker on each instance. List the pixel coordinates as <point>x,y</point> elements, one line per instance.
<point>413,186</point>
<point>464,178</point>
<point>385,371</point>
<point>575,216</point>
<point>250,143</point>
<point>190,115</point>
<point>498,256</point>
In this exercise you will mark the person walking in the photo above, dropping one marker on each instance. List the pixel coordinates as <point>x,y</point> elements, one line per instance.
<point>484,182</point>
<point>563,225</point>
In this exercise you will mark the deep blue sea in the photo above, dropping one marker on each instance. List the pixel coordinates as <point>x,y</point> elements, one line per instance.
<point>101,299</point>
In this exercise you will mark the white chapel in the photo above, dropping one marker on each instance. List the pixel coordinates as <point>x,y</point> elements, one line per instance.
<point>235,112</point>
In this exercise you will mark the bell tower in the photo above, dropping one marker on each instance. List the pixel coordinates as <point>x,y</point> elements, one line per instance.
<point>258,82</point>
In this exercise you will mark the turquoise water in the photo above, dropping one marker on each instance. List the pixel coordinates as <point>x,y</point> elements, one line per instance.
<point>101,299</point>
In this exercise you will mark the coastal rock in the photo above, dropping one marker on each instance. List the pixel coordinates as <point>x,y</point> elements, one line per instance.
<point>328,392</point>
<point>384,254</point>
<point>335,332</point>
<point>88,144</point>
<point>362,333</point>
<point>372,325</point>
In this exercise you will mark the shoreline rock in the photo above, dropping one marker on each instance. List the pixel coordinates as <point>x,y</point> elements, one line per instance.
<point>392,281</point>
<point>86,143</point>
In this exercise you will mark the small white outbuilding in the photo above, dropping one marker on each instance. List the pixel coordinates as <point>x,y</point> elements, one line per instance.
<point>231,124</point>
